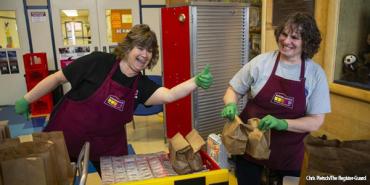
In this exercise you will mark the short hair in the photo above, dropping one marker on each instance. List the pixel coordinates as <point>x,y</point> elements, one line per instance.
<point>140,35</point>
<point>305,25</point>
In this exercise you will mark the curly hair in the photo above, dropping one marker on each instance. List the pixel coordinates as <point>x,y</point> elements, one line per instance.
<point>141,36</point>
<point>305,25</point>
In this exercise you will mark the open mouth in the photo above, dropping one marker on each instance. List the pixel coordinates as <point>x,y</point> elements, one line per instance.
<point>141,59</point>
<point>287,47</point>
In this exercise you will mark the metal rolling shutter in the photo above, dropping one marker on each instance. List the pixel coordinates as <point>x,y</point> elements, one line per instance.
<point>219,38</point>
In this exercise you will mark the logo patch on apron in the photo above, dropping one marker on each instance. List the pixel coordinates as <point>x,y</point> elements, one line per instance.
<point>283,100</point>
<point>115,102</point>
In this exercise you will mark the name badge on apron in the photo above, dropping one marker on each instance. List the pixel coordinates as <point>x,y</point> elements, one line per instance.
<point>115,102</point>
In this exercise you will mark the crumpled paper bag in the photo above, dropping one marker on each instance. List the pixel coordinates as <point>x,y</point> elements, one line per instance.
<point>258,145</point>
<point>196,142</point>
<point>234,136</point>
<point>179,149</point>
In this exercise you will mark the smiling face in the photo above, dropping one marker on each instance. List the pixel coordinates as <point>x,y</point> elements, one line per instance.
<point>138,50</point>
<point>138,59</point>
<point>298,36</point>
<point>290,43</point>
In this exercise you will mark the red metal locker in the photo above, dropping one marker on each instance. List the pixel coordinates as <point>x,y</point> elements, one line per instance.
<point>176,66</point>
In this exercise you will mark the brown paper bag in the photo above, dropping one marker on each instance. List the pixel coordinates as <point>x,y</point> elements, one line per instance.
<point>196,142</point>
<point>62,162</point>
<point>179,148</point>
<point>62,157</point>
<point>195,161</point>
<point>258,145</point>
<point>337,158</point>
<point>234,136</point>
<point>25,171</point>
<point>4,130</point>
<point>41,149</point>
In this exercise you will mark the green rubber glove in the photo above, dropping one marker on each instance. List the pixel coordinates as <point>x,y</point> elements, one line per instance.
<point>21,107</point>
<point>269,122</point>
<point>229,111</point>
<point>204,79</point>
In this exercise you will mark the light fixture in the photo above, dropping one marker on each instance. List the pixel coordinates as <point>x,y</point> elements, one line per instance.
<point>70,13</point>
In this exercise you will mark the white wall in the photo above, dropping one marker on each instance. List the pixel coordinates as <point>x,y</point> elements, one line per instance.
<point>13,86</point>
<point>41,35</point>
<point>152,17</point>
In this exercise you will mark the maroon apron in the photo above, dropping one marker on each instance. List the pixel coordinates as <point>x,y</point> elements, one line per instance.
<point>98,119</point>
<point>283,99</point>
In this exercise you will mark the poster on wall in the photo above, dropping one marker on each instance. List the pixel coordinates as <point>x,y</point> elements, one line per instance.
<point>121,23</point>
<point>69,54</point>
<point>13,62</point>
<point>4,65</point>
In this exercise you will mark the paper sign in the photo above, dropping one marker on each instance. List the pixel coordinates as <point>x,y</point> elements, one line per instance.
<point>38,16</point>
<point>13,62</point>
<point>4,65</point>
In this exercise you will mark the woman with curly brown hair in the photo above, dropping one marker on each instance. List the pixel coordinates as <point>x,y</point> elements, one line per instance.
<point>106,88</point>
<point>288,92</point>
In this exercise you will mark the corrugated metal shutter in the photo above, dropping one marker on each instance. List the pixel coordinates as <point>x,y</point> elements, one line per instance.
<point>219,38</point>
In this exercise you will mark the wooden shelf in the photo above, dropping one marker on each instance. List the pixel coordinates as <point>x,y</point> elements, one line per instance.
<point>350,92</point>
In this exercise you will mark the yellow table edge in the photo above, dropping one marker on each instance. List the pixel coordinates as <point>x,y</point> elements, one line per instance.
<point>212,177</point>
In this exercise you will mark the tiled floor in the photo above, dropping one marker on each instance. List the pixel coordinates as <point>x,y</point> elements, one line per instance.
<point>148,135</point>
